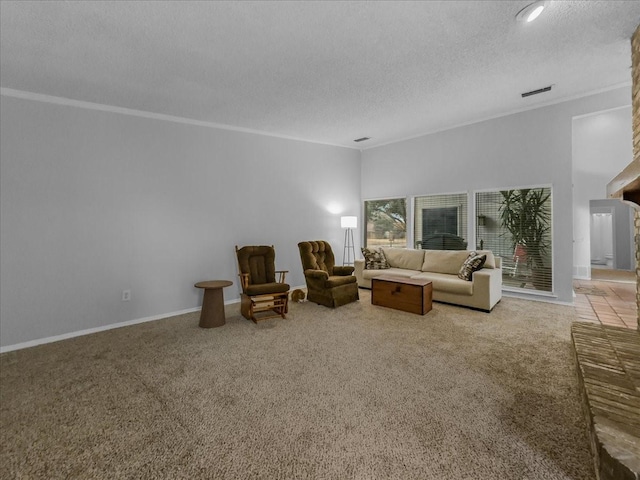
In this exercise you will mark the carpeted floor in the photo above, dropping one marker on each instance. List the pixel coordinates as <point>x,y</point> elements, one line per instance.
<point>359,392</point>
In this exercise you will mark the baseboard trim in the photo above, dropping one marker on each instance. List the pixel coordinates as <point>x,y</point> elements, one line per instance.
<point>89,331</point>
<point>547,298</point>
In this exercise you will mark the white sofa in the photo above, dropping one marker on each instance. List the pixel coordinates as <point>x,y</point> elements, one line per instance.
<point>441,267</point>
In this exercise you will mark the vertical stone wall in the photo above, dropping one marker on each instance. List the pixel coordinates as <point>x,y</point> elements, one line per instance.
<point>635,74</point>
<point>636,224</point>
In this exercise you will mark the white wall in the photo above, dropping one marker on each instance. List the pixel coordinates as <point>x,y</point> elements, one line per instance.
<point>528,148</point>
<point>602,148</point>
<point>620,233</point>
<point>95,202</point>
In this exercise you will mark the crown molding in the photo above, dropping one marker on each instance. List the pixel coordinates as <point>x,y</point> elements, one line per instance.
<point>513,112</point>
<point>69,102</point>
<point>38,97</point>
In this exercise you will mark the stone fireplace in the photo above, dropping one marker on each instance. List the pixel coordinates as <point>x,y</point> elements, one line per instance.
<point>636,236</point>
<point>608,358</point>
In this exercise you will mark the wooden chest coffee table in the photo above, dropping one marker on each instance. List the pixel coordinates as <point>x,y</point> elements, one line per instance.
<point>407,294</point>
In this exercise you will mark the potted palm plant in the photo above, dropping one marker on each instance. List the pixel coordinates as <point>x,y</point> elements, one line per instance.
<point>526,214</point>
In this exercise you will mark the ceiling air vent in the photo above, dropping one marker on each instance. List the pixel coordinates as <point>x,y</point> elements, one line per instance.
<point>362,139</point>
<point>535,92</point>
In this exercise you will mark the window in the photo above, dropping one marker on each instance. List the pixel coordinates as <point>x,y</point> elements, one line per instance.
<point>386,222</point>
<point>516,225</point>
<point>441,222</point>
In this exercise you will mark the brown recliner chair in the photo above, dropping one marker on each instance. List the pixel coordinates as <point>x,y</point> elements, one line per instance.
<point>263,287</point>
<point>327,284</point>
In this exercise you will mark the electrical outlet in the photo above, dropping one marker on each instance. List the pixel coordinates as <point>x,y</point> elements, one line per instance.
<point>126,295</point>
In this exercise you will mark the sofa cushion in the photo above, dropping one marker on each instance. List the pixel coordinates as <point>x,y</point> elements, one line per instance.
<point>444,282</point>
<point>444,261</point>
<point>374,259</point>
<point>405,258</point>
<point>473,263</point>
<point>396,272</point>
<point>266,288</point>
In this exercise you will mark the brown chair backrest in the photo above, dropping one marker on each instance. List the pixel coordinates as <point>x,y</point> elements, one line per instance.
<point>317,255</point>
<point>259,262</point>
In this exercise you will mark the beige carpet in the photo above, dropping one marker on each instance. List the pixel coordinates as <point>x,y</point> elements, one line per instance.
<point>359,392</point>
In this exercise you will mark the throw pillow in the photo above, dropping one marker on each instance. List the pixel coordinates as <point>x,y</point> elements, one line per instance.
<point>473,263</point>
<point>374,259</point>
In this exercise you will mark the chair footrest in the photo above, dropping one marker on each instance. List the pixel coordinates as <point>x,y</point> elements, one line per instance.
<point>277,304</point>
<point>269,301</point>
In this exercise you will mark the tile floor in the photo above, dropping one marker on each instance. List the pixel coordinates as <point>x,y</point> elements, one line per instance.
<point>606,302</point>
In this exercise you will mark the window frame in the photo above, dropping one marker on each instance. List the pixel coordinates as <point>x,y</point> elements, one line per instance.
<point>365,232</point>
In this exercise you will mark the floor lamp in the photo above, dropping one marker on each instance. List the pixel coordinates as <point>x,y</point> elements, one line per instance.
<point>349,253</point>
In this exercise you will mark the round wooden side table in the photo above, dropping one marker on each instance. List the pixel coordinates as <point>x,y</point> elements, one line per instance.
<point>212,313</point>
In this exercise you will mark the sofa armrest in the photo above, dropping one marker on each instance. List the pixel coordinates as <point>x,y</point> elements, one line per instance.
<point>487,283</point>
<point>358,264</point>
<point>316,279</point>
<point>319,274</point>
<point>343,271</point>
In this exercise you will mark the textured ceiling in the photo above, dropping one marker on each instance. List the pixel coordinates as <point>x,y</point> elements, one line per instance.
<point>326,72</point>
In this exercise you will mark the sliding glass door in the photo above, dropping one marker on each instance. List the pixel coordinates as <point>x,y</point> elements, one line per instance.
<point>516,225</point>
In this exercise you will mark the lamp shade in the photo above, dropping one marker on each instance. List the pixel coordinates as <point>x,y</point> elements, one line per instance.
<point>349,222</point>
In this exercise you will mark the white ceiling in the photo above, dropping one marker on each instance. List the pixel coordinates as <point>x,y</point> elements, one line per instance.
<point>327,72</point>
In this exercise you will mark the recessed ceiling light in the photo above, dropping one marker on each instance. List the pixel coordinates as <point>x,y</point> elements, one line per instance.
<point>362,139</point>
<point>531,12</point>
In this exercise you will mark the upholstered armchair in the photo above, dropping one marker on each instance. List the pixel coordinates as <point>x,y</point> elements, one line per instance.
<point>263,287</point>
<point>327,284</point>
